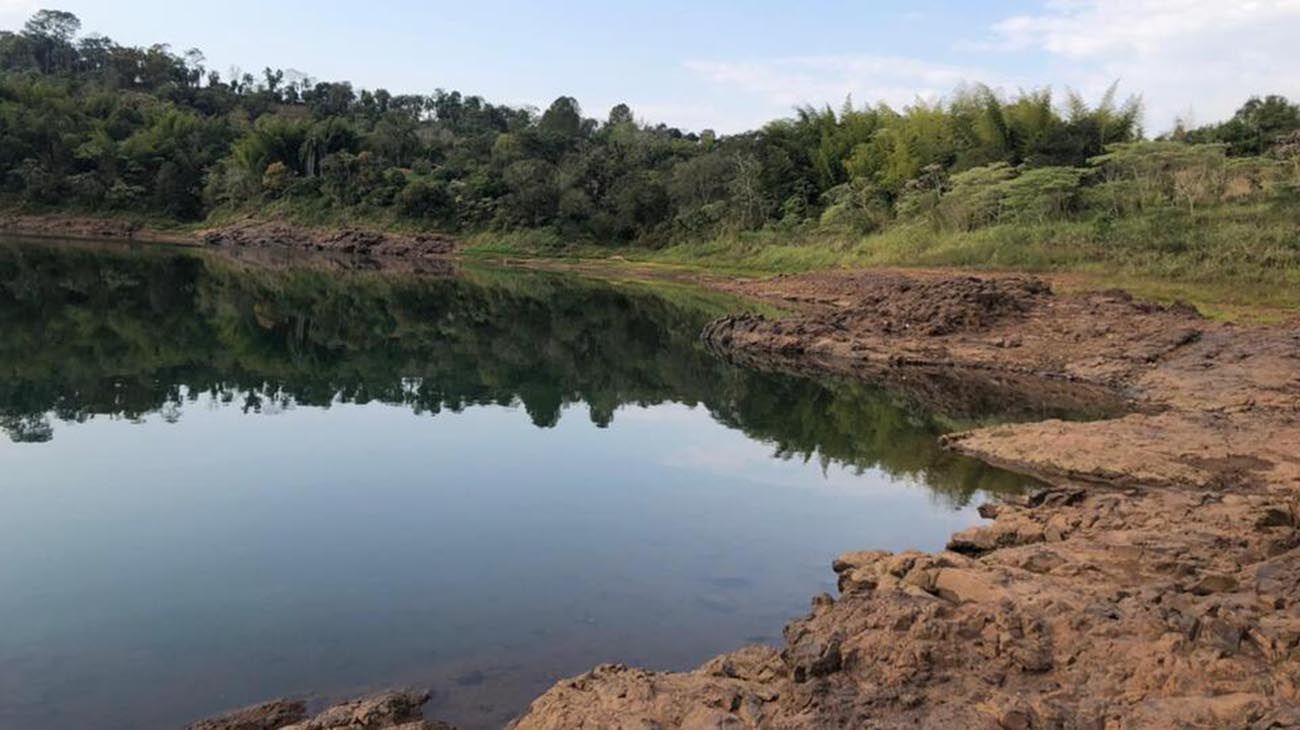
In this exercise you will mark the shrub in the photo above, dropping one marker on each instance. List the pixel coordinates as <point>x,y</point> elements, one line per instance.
<point>975,197</point>
<point>1041,194</point>
<point>276,179</point>
<point>425,199</point>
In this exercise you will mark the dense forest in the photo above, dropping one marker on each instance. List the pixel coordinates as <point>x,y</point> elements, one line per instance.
<point>90,125</point>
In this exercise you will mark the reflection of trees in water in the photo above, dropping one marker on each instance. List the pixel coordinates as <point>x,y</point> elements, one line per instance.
<point>29,429</point>
<point>93,331</point>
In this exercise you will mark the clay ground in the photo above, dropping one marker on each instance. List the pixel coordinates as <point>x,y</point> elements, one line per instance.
<point>1155,583</point>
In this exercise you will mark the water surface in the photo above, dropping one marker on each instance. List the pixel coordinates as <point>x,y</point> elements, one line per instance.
<point>225,481</point>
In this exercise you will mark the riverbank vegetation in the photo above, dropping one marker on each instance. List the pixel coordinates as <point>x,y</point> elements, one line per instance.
<point>980,178</point>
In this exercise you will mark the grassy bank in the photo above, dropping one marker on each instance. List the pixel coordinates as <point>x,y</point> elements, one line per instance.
<point>1232,261</point>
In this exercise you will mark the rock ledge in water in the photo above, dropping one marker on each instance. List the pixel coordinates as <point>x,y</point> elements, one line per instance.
<point>399,710</point>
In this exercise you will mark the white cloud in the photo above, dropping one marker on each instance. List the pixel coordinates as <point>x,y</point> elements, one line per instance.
<point>13,13</point>
<point>1200,55</point>
<point>1185,57</point>
<point>789,82</point>
<point>1090,28</point>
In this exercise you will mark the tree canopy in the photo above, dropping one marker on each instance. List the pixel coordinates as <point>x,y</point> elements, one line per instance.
<point>90,124</point>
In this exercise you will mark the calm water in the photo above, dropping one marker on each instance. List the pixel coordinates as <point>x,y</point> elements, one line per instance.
<point>224,482</point>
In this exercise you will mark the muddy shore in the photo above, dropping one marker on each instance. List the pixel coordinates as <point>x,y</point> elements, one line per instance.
<point>1155,583</point>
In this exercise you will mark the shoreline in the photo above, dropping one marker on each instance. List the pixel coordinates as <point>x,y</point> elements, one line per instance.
<point>91,228</point>
<point>375,239</point>
<point>1169,533</point>
<point>241,234</point>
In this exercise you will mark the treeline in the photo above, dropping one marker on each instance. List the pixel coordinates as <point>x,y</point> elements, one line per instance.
<point>89,124</point>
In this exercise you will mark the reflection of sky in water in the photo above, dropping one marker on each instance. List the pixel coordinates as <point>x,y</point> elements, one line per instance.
<point>159,571</point>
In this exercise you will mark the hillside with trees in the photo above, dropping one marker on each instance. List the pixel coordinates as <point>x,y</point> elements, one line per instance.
<point>89,125</point>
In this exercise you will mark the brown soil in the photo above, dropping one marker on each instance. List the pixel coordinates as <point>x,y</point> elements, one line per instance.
<point>1154,584</point>
<point>902,305</point>
<point>343,240</point>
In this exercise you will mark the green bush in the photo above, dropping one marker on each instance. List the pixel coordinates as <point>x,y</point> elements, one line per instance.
<point>425,199</point>
<point>974,197</point>
<point>1041,194</point>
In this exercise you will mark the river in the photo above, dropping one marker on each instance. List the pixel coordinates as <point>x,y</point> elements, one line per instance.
<point>228,480</point>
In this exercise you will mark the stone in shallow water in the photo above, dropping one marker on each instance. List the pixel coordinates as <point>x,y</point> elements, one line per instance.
<point>398,710</point>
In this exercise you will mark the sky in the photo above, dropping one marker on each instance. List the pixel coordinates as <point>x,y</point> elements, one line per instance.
<point>731,66</point>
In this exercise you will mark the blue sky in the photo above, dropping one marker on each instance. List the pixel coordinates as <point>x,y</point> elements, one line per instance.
<point>733,65</point>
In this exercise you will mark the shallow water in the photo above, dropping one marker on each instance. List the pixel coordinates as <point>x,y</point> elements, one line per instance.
<point>225,482</point>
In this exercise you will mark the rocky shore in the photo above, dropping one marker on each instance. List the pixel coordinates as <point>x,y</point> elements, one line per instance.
<point>357,241</point>
<point>396,710</point>
<point>1154,583</point>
